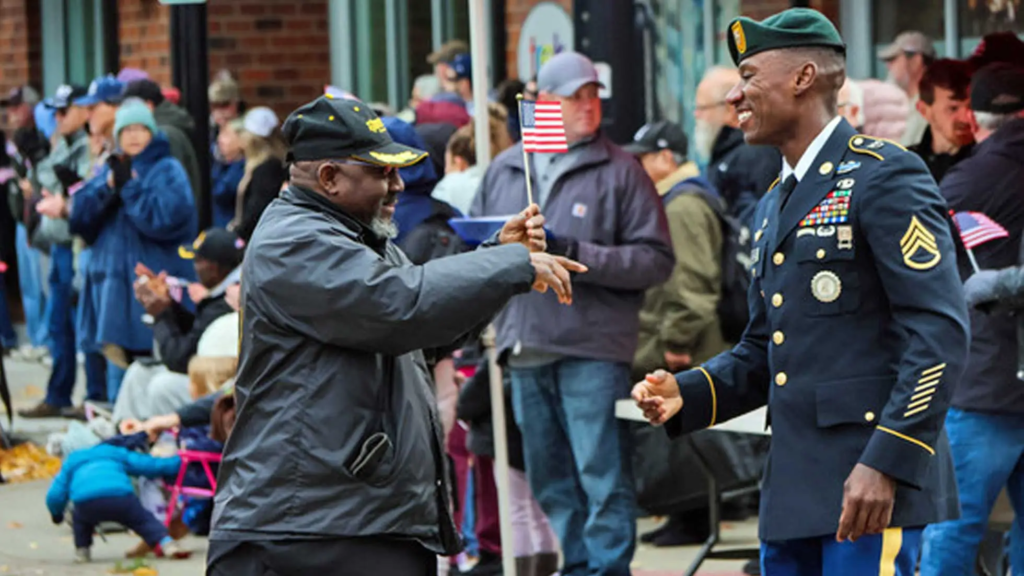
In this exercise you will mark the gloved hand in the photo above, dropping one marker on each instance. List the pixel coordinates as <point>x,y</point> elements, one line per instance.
<point>981,287</point>
<point>57,519</point>
<point>120,169</point>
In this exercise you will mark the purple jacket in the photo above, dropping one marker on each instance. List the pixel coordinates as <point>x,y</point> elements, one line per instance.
<point>604,201</point>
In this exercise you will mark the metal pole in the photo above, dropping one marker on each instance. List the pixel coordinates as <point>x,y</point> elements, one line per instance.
<point>481,82</point>
<point>342,44</point>
<point>190,65</point>
<point>710,37</point>
<point>391,16</point>
<point>952,29</point>
<point>436,23</point>
<point>501,477</point>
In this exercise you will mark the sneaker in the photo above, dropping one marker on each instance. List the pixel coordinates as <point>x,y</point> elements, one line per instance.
<point>173,551</point>
<point>83,556</point>
<point>41,410</point>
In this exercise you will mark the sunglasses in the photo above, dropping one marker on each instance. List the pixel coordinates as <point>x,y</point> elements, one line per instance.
<point>383,171</point>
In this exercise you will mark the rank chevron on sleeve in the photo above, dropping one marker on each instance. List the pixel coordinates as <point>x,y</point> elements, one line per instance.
<point>917,239</point>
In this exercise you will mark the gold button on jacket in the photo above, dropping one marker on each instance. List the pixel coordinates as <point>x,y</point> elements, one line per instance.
<point>777,300</point>
<point>778,337</point>
<point>781,379</point>
<point>779,258</point>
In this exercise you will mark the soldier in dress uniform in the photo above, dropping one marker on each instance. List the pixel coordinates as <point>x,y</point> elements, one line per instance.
<point>858,329</point>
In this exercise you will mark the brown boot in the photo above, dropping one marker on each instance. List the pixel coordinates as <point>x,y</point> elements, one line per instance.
<point>547,563</point>
<point>141,550</point>
<point>526,566</point>
<point>41,410</point>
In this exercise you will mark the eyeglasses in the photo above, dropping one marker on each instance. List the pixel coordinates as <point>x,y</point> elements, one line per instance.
<point>712,106</point>
<point>384,171</point>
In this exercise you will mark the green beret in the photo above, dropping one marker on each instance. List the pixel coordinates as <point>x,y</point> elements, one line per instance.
<point>331,128</point>
<point>788,29</point>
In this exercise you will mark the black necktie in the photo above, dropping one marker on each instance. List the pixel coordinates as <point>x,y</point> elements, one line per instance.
<point>786,190</point>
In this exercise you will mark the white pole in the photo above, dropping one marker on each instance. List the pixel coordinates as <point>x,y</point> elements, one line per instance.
<point>480,51</point>
<point>501,475</point>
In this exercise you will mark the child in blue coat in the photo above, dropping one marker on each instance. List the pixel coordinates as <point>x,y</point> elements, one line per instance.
<point>98,481</point>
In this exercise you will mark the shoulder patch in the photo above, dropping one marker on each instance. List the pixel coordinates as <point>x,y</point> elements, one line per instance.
<point>919,248</point>
<point>870,145</point>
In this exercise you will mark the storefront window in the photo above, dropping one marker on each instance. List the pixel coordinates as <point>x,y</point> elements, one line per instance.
<point>980,17</point>
<point>678,60</point>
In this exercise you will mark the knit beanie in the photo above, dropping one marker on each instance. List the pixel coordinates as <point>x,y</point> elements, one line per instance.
<point>133,112</point>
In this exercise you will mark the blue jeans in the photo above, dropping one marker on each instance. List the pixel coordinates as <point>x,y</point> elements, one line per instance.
<point>988,453</point>
<point>578,460</point>
<point>30,280</point>
<point>125,510</point>
<point>61,325</point>
<point>8,338</point>
<point>893,553</point>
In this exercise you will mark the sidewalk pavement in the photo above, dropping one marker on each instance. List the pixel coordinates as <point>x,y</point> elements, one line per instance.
<point>30,545</point>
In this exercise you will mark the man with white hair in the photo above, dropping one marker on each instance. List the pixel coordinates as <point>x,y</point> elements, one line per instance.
<point>851,104</point>
<point>740,172</point>
<point>907,58</point>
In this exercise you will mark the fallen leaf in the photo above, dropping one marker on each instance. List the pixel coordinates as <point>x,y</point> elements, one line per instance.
<point>145,572</point>
<point>4,568</point>
<point>32,391</point>
<point>15,525</point>
<point>33,545</point>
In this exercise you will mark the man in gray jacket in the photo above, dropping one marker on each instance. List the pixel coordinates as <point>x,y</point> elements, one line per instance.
<point>570,365</point>
<point>336,456</point>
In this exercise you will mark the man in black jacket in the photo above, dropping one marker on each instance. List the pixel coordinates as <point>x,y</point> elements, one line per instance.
<point>986,420</point>
<point>150,389</point>
<point>335,463</point>
<point>945,105</point>
<point>740,172</point>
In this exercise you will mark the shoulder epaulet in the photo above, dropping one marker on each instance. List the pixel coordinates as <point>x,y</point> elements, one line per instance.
<point>774,184</point>
<point>871,145</point>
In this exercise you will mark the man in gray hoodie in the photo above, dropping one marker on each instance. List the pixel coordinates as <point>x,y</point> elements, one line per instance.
<point>569,366</point>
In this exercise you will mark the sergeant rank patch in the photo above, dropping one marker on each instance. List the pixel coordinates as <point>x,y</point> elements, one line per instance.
<point>919,248</point>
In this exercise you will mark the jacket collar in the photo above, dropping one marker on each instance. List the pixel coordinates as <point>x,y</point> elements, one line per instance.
<point>597,151</point>
<point>687,170</point>
<point>728,139</point>
<point>351,226</point>
<point>816,183</point>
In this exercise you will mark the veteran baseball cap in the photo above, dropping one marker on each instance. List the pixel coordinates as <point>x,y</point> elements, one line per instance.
<point>565,73</point>
<point>217,245</point>
<point>21,95</point>
<point>911,42</point>
<point>333,128</point>
<point>461,67</point>
<point>998,89</point>
<point>793,28</point>
<point>658,136</point>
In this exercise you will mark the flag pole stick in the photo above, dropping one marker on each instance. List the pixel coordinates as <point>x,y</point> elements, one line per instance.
<point>526,158</point>
<point>974,261</point>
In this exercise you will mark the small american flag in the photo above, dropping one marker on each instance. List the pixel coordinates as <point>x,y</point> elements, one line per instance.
<point>977,229</point>
<point>176,288</point>
<point>542,127</point>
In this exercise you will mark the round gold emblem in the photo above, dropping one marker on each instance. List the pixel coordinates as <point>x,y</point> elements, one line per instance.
<point>826,286</point>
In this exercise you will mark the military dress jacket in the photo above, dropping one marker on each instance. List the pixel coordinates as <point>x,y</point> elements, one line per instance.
<point>858,333</point>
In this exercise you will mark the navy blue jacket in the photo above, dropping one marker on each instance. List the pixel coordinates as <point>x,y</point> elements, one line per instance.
<point>858,334</point>
<point>990,182</point>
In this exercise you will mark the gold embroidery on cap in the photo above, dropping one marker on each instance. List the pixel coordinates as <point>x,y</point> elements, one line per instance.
<point>739,37</point>
<point>404,156</point>
<point>376,125</point>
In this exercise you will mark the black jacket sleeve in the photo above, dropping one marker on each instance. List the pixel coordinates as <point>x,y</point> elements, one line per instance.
<point>198,413</point>
<point>177,332</point>
<point>475,397</point>
<point>265,185</point>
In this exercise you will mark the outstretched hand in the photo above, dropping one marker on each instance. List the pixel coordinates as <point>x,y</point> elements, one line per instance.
<point>552,272</point>
<point>659,397</point>
<point>526,228</point>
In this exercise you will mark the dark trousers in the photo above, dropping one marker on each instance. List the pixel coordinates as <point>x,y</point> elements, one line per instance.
<point>125,510</point>
<point>327,557</point>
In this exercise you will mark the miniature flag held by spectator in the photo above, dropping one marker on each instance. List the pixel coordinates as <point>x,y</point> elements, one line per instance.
<point>542,127</point>
<point>977,229</point>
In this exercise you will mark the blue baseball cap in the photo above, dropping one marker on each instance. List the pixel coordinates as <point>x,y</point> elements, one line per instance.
<point>462,65</point>
<point>103,89</point>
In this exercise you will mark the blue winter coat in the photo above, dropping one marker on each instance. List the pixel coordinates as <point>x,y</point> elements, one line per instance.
<point>414,203</point>
<point>156,215</point>
<point>225,178</point>
<point>104,471</point>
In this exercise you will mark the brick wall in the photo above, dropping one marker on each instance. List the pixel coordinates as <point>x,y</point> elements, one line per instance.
<point>145,38</point>
<point>515,14</point>
<point>761,9</point>
<point>20,51</point>
<point>278,50</point>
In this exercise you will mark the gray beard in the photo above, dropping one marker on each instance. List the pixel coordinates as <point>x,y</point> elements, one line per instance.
<point>384,228</point>
<point>704,136</point>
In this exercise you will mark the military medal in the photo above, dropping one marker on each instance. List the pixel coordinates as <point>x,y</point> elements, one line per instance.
<point>826,231</point>
<point>834,209</point>
<point>825,168</point>
<point>845,237</point>
<point>805,232</point>
<point>875,145</point>
<point>826,286</point>
<point>845,184</point>
<point>847,167</point>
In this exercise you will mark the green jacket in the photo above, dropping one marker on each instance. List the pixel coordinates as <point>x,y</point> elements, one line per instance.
<point>681,315</point>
